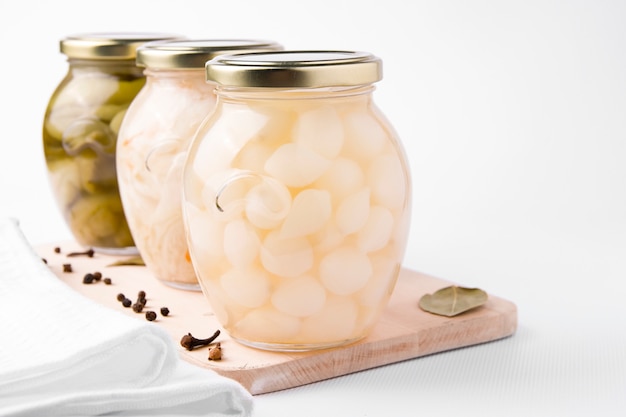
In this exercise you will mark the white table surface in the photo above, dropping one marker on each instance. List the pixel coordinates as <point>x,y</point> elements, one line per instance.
<point>513,116</point>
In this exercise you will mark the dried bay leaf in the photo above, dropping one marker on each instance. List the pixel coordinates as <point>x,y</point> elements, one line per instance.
<point>135,260</point>
<point>453,300</point>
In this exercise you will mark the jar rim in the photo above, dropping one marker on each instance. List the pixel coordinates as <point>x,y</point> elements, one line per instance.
<point>109,45</point>
<point>295,69</point>
<point>194,53</point>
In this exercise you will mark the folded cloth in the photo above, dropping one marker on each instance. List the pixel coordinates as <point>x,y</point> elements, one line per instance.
<point>63,355</point>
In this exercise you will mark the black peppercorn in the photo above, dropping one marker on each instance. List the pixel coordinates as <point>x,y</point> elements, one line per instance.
<point>107,281</point>
<point>137,307</point>
<point>57,250</point>
<point>165,311</point>
<point>126,302</point>
<point>121,297</point>
<point>141,298</point>
<point>88,279</point>
<point>151,315</point>
<point>97,276</point>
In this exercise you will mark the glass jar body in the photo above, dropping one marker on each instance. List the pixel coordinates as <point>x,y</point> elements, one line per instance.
<point>297,210</point>
<point>80,130</point>
<point>152,146</point>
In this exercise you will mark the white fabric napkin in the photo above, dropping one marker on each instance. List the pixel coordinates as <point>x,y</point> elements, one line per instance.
<point>63,355</point>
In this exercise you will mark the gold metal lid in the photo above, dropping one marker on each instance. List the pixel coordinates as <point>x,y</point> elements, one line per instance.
<point>109,45</point>
<point>195,53</point>
<point>290,69</point>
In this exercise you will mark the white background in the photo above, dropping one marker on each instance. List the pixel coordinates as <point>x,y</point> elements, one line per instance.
<point>513,116</point>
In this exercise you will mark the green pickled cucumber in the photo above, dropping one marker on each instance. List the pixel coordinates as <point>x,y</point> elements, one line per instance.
<point>97,174</point>
<point>126,91</point>
<point>98,220</point>
<point>60,117</point>
<point>86,91</point>
<point>116,122</point>
<point>64,176</point>
<point>88,133</point>
<point>107,112</point>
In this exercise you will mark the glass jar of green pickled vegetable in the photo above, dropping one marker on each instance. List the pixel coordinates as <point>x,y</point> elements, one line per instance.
<point>80,129</point>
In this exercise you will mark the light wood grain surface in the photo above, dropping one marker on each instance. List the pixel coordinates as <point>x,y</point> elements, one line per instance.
<point>404,331</point>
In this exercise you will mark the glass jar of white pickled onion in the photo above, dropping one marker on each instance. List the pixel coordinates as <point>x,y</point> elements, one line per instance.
<point>296,199</point>
<point>152,145</point>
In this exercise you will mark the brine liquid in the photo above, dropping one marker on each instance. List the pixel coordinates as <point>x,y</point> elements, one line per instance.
<point>152,146</point>
<point>297,218</point>
<point>79,139</point>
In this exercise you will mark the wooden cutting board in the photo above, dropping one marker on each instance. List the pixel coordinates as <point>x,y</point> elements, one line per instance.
<point>403,332</point>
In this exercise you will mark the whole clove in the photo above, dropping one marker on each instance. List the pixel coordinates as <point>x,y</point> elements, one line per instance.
<point>190,343</point>
<point>89,252</point>
<point>67,267</point>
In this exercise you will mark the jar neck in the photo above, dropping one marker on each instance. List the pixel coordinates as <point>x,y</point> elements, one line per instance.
<point>109,66</point>
<point>257,93</point>
<point>187,73</point>
<point>192,81</point>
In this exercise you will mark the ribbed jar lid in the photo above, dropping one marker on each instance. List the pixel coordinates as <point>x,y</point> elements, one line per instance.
<point>295,69</point>
<point>112,45</point>
<point>195,53</point>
